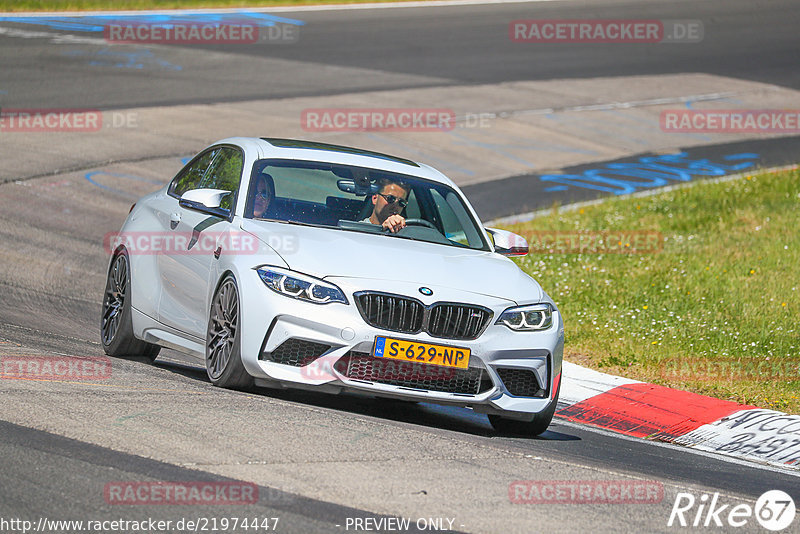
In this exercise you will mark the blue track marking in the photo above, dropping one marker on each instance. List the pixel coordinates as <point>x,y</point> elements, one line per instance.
<point>90,177</point>
<point>97,23</point>
<point>648,172</point>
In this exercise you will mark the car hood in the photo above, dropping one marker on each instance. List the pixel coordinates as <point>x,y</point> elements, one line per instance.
<point>331,253</point>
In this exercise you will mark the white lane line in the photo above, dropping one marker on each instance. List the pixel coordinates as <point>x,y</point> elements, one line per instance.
<point>56,38</point>
<point>612,105</point>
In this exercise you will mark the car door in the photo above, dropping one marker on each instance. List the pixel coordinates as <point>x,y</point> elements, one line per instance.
<point>187,272</point>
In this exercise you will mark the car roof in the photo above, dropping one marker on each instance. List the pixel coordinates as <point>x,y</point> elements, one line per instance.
<point>279,148</point>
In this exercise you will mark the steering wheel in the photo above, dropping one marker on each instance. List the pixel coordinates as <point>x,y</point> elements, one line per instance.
<point>421,222</point>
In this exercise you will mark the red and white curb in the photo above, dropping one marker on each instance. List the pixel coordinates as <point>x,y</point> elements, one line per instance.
<point>659,413</point>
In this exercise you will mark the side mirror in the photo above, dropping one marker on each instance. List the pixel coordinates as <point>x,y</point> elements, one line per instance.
<point>508,243</point>
<point>206,200</point>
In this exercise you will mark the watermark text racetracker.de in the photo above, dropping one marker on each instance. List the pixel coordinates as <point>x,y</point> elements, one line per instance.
<point>181,243</point>
<point>190,33</point>
<point>605,31</point>
<point>585,492</point>
<point>181,493</point>
<point>59,120</point>
<point>595,242</point>
<point>25,367</point>
<point>731,121</point>
<point>324,370</point>
<point>377,119</point>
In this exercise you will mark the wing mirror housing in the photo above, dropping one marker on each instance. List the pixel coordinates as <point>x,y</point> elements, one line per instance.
<point>508,243</point>
<point>206,200</point>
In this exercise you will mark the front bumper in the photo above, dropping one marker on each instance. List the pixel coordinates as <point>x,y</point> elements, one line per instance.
<point>329,348</point>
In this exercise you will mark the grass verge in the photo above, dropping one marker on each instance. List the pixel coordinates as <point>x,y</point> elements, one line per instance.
<point>713,309</point>
<point>123,5</point>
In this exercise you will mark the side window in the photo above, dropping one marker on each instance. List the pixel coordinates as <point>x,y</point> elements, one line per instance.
<point>225,173</point>
<point>454,218</point>
<point>189,178</point>
<point>449,220</point>
<point>412,210</point>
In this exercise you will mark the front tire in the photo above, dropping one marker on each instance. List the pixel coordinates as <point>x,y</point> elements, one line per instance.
<point>116,325</point>
<point>223,339</point>
<point>539,424</point>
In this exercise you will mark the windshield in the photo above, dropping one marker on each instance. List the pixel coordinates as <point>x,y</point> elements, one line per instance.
<point>341,196</point>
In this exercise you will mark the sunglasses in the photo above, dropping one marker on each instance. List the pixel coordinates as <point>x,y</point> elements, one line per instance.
<point>391,199</point>
<point>263,194</point>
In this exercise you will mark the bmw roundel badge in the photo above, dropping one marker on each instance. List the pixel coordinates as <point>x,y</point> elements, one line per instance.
<point>426,291</point>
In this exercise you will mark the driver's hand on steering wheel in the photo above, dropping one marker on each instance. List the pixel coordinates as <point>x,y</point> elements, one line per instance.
<point>394,223</point>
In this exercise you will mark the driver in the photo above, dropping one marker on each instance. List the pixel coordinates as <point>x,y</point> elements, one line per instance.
<point>391,199</point>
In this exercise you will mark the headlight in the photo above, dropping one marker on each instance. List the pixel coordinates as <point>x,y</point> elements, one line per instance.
<point>527,318</point>
<point>300,286</point>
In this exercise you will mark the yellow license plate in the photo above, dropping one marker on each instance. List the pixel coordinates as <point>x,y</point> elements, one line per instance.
<point>414,351</point>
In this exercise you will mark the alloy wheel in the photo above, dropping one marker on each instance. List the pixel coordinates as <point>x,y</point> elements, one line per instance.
<point>114,302</point>
<point>222,329</point>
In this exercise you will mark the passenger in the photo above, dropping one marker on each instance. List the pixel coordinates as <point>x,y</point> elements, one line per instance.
<point>263,196</point>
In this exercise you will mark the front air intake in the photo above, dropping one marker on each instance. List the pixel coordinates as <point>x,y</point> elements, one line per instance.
<point>362,366</point>
<point>296,352</point>
<point>521,382</point>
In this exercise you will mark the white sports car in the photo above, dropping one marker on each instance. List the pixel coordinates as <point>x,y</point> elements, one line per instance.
<point>285,263</point>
